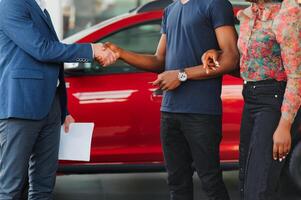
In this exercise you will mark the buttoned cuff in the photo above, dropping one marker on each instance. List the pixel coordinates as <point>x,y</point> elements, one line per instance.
<point>93,55</point>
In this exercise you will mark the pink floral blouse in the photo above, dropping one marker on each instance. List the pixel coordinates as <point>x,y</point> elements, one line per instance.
<point>270,46</point>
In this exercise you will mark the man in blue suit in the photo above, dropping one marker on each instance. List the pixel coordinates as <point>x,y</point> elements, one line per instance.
<point>33,96</point>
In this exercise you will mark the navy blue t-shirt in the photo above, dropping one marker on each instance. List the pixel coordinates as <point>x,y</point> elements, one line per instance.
<point>190,31</point>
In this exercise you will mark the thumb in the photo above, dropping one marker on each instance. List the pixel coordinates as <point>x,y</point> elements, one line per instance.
<point>107,45</point>
<point>215,61</point>
<point>66,127</point>
<point>157,82</point>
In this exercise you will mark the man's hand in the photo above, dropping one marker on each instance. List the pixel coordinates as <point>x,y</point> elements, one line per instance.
<point>148,62</point>
<point>104,56</point>
<point>168,80</point>
<point>69,119</point>
<point>108,46</point>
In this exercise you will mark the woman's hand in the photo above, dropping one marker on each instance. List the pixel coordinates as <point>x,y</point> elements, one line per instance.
<point>210,60</point>
<point>282,140</point>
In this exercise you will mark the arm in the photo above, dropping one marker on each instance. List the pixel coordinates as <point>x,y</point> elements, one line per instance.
<point>287,30</point>
<point>221,16</point>
<point>228,59</point>
<point>154,63</point>
<point>210,62</point>
<point>17,24</point>
<point>220,13</point>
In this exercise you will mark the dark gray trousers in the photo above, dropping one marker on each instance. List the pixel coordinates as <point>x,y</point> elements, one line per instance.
<point>29,148</point>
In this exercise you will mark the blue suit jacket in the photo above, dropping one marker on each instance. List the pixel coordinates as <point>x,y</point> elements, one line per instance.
<point>31,61</point>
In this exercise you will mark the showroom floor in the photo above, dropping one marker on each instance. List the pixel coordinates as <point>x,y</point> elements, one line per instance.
<point>142,186</point>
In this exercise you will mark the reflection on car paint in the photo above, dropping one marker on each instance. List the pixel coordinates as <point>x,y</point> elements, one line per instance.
<point>232,92</point>
<point>104,97</point>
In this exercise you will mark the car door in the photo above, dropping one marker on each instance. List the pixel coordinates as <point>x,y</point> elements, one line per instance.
<point>120,100</point>
<point>232,112</point>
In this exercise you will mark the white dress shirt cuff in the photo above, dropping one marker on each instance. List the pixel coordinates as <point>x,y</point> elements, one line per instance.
<point>93,52</point>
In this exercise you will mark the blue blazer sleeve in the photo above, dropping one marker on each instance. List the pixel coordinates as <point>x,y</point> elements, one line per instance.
<point>16,23</point>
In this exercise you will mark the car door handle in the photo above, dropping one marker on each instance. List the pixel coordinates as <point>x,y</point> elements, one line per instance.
<point>158,92</point>
<point>67,85</point>
<point>156,95</point>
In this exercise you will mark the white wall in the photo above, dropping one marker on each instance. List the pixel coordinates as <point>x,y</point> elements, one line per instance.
<point>55,10</point>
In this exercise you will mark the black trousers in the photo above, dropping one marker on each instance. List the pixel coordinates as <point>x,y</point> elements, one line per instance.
<point>259,172</point>
<point>187,139</point>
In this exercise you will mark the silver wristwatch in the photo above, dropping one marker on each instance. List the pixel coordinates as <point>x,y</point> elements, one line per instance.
<point>182,76</point>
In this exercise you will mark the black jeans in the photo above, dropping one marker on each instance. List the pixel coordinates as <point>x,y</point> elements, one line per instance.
<point>259,173</point>
<point>187,139</point>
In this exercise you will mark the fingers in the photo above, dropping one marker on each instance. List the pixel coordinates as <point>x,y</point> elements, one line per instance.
<point>165,86</point>
<point>205,61</point>
<point>286,150</point>
<point>114,49</point>
<point>215,58</point>
<point>280,151</point>
<point>66,127</point>
<point>275,152</point>
<point>105,53</point>
<point>107,57</point>
<point>157,82</point>
<point>69,120</point>
<point>210,61</point>
<point>168,80</point>
<point>107,44</point>
<point>210,67</point>
<point>161,83</point>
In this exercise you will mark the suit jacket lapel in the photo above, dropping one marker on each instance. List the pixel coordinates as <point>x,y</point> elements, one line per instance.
<point>42,14</point>
<point>51,25</point>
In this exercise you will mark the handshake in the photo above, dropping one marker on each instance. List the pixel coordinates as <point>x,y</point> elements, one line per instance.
<point>106,54</point>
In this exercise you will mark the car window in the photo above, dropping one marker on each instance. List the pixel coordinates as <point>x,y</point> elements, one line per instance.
<point>237,23</point>
<point>142,38</point>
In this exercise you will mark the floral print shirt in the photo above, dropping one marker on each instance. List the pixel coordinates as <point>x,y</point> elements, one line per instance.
<point>270,46</point>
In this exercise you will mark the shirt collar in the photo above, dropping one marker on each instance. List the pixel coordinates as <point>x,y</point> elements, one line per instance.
<point>42,4</point>
<point>263,11</point>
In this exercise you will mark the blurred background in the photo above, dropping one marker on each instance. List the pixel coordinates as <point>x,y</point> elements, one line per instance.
<point>72,16</point>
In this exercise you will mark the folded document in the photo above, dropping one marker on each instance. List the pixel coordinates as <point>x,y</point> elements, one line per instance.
<point>76,144</point>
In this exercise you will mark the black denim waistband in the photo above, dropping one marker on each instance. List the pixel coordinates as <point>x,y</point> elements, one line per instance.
<point>265,82</point>
<point>267,88</point>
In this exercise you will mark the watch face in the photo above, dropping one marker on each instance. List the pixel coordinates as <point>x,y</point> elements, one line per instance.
<point>182,76</point>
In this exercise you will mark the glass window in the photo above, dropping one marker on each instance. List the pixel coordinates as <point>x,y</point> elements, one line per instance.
<point>81,14</point>
<point>237,24</point>
<point>142,38</point>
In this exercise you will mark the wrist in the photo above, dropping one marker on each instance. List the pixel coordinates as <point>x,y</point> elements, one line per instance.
<point>189,75</point>
<point>182,75</point>
<point>284,123</point>
<point>120,52</point>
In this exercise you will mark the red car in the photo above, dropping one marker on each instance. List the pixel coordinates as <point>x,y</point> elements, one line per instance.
<point>123,104</point>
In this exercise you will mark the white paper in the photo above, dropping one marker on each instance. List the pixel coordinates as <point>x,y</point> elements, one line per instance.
<point>76,144</point>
